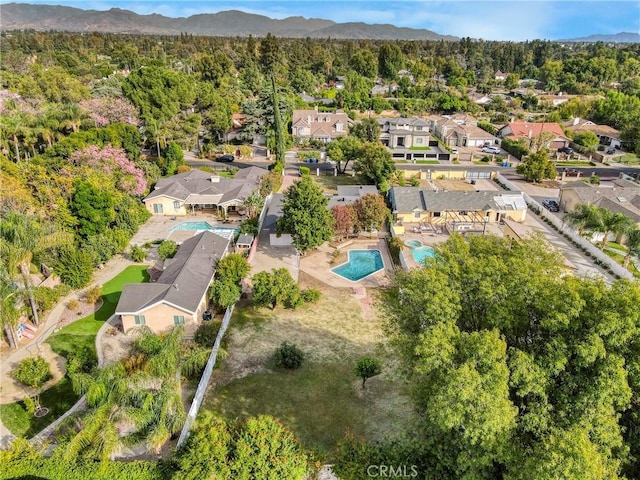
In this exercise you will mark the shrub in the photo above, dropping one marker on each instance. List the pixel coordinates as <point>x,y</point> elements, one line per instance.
<point>233,267</point>
<point>93,294</point>
<point>310,295</point>
<point>75,268</point>
<point>138,254</point>
<point>206,334</point>
<point>304,171</point>
<point>33,372</point>
<point>415,182</point>
<point>46,298</point>
<point>368,367</point>
<point>29,405</point>
<point>288,356</point>
<point>395,247</point>
<point>249,226</point>
<point>167,249</point>
<point>73,304</point>
<point>183,168</point>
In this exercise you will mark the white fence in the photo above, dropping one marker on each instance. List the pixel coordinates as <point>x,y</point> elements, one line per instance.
<point>204,380</point>
<point>570,233</point>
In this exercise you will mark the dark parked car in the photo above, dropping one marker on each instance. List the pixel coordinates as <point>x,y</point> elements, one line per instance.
<point>567,150</point>
<point>311,160</point>
<point>225,158</point>
<point>551,205</point>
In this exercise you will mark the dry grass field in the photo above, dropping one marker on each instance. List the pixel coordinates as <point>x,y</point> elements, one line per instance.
<point>323,399</point>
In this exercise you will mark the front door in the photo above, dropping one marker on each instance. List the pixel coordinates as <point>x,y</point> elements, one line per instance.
<point>157,208</point>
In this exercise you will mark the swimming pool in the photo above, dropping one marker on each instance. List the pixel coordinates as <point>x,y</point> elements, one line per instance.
<point>413,243</point>
<point>420,253</point>
<point>226,232</point>
<point>361,264</point>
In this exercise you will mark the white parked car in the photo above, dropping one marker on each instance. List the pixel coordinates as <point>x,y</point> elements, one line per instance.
<point>491,149</point>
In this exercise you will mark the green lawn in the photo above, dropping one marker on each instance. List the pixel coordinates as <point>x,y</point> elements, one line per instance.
<point>427,162</point>
<point>419,148</point>
<point>78,336</point>
<point>628,159</point>
<point>619,258</point>
<point>81,334</point>
<point>574,164</point>
<point>323,399</point>
<point>58,399</point>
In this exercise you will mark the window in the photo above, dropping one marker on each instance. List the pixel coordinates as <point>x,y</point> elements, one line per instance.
<point>139,320</point>
<point>178,319</point>
<point>462,212</point>
<point>338,127</point>
<point>418,128</point>
<point>176,205</point>
<point>400,142</point>
<point>419,141</point>
<point>436,214</point>
<point>157,208</point>
<point>416,214</point>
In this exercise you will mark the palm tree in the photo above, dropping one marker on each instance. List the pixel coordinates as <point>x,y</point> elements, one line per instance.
<point>22,237</point>
<point>633,245</point>
<point>609,222</point>
<point>584,216</point>
<point>253,203</point>
<point>9,311</point>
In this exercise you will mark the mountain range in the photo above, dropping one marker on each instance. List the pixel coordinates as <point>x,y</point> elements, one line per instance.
<point>622,37</point>
<point>21,16</point>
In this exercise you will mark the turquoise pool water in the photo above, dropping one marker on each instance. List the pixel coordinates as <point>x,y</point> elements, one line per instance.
<point>225,232</point>
<point>420,253</point>
<point>361,264</point>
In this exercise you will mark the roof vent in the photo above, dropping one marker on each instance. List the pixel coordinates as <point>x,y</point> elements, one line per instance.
<point>175,285</point>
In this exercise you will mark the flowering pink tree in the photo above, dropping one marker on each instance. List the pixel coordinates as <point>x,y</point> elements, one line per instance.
<point>108,110</point>
<point>114,162</point>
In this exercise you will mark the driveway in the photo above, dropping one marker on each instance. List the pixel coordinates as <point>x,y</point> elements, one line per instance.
<point>582,265</point>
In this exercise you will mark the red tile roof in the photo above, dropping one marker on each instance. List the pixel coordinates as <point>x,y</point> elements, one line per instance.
<point>526,129</point>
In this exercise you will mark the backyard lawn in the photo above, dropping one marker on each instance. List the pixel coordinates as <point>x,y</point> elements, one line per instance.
<point>81,334</point>
<point>329,183</point>
<point>323,399</point>
<point>76,337</point>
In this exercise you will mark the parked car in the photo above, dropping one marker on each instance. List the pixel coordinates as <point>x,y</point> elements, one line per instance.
<point>551,205</point>
<point>225,158</point>
<point>311,160</point>
<point>567,150</point>
<point>490,149</point>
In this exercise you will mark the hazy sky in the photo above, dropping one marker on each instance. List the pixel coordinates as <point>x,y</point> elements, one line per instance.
<point>495,20</point>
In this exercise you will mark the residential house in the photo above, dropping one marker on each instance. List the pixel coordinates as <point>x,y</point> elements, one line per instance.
<point>348,194</point>
<point>382,90</point>
<point>457,211</point>
<point>550,135</point>
<point>198,190</point>
<point>607,135</point>
<point>462,131</point>
<point>407,138</point>
<point>500,76</point>
<point>479,98</point>
<point>323,126</point>
<point>180,295</point>
<point>623,196</point>
<point>235,132</point>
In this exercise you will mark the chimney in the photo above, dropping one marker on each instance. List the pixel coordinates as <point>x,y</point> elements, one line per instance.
<point>175,285</point>
<point>316,108</point>
<point>530,133</point>
<point>576,121</point>
<point>215,178</point>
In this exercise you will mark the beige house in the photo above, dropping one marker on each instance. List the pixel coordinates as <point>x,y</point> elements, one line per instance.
<point>323,126</point>
<point>607,135</point>
<point>198,190</point>
<point>457,211</point>
<point>622,197</point>
<point>179,296</point>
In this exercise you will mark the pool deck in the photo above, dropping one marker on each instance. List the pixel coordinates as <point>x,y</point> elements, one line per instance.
<point>318,265</point>
<point>158,226</point>
<point>428,239</point>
